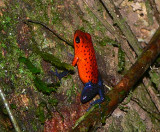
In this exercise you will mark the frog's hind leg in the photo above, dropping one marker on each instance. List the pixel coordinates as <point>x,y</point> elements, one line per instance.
<point>88,93</point>
<point>100,88</point>
<point>99,101</point>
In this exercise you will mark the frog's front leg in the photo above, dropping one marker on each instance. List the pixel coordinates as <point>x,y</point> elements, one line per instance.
<point>75,60</point>
<point>59,75</point>
<point>62,74</point>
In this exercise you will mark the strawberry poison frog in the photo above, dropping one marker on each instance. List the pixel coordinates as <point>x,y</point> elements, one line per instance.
<point>85,59</point>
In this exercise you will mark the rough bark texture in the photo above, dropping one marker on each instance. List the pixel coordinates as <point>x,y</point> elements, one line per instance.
<point>39,101</point>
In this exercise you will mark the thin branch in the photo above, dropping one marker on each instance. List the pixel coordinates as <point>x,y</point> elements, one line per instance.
<point>15,124</point>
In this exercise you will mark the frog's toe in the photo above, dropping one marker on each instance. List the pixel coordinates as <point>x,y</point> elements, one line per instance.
<point>61,75</point>
<point>98,101</point>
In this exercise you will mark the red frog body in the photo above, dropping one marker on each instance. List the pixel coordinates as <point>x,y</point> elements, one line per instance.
<point>85,59</point>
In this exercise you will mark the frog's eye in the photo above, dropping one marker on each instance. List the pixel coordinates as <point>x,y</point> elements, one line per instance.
<point>77,40</point>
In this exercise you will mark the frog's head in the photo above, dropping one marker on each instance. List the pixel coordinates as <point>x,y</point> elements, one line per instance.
<point>82,40</point>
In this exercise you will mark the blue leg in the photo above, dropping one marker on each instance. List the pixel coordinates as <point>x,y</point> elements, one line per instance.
<point>64,73</point>
<point>60,75</point>
<point>71,55</point>
<point>100,92</point>
<point>89,92</point>
<point>98,101</point>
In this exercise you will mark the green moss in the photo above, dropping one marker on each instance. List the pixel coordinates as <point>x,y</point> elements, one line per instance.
<point>13,106</point>
<point>149,12</point>
<point>85,115</point>
<point>42,86</point>
<point>133,123</point>
<point>113,127</point>
<point>53,102</point>
<point>107,99</point>
<point>8,36</point>
<point>4,110</point>
<point>122,93</point>
<point>155,77</point>
<point>97,24</point>
<point>103,113</point>
<point>89,27</point>
<point>34,126</point>
<point>158,60</point>
<point>129,97</point>
<point>29,65</point>
<point>123,108</point>
<point>22,72</point>
<point>40,113</point>
<point>71,92</point>
<point>56,17</point>
<point>121,60</point>
<point>53,60</point>
<point>106,41</point>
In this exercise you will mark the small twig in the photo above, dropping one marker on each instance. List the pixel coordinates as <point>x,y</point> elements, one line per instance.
<point>51,30</point>
<point>120,21</point>
<point>15,124</point>
<point>152,94</point>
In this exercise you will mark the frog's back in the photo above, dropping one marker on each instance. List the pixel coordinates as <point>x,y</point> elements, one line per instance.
<point>87,65</point>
